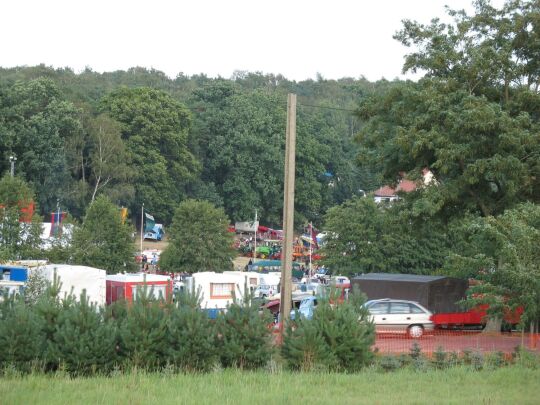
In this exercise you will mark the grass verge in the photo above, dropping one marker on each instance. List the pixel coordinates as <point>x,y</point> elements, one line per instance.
<point>456,385</point>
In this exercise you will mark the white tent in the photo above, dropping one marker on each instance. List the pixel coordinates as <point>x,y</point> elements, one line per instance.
<point>75,279</point>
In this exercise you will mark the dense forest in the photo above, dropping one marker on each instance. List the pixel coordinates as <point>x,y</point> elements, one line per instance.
<point>138,137</point>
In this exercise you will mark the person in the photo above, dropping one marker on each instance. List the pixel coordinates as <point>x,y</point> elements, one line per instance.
<point>144,261</point>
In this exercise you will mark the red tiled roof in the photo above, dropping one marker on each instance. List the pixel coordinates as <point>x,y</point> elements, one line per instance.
<point>406,186</point>
<point>385,191</point>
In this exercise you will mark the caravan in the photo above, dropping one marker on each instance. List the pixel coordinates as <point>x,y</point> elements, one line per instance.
<point>218,290</point>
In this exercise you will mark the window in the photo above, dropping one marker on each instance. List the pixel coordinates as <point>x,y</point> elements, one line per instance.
<point>399,308</point>
<point>153,291</point>
<point>416,309</point>
<point>221,290</point>
<point>379,308</point>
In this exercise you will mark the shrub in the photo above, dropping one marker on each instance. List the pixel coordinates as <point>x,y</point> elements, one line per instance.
<point>439,358</point>
<point>341,337</point>
<point>416,351</point>
<point>84,342</point>
<point>191,335</point>
<point>143,332</point>
<point>305,348</point>
<point>390,363</point>
<point>244,337</point>
<point>21,337</point>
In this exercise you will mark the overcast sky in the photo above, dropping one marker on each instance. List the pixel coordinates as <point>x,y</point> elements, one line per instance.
<point>296,38</point>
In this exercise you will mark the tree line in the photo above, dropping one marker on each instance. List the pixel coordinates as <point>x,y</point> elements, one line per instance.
<point>139,137</point>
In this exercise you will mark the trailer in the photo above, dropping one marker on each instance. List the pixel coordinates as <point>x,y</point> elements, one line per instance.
<point>13,273</point>
<point>218,290</point>
<point>127,286</point>
<point>439,294</point>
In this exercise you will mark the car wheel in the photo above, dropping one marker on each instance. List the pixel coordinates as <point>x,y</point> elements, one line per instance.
<point>415,331</point>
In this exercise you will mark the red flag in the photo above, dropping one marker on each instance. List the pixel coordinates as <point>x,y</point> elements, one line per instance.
<point>56,223</point>
<point>313,234</point>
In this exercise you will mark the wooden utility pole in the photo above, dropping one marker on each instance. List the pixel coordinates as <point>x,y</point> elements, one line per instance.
<point>288,213</point>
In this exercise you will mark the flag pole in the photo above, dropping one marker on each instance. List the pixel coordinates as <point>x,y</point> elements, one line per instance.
<point>255,240</point>
<point>57,217</point>
<point>142,225</point>
<point>310,248</point>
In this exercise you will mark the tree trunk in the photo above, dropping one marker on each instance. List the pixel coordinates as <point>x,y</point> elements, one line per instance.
<point>493,325</point>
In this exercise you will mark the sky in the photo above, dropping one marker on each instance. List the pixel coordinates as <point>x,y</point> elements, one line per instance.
<point>296,38</point>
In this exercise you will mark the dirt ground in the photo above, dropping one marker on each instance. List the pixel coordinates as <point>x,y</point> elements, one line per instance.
<point>151,244</point>
<point>239,262</point>
<point>458,341</point>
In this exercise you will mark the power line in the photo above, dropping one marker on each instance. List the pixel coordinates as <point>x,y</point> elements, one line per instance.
<point>322,107</point>
<point>326,107</point>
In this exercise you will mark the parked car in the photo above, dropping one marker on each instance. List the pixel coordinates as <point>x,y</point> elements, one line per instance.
<point>306,308</point>
<point>400,316</point>
<point>265,290</point>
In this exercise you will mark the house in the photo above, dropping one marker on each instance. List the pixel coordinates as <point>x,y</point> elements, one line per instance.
<point>389,194</point>
<point>126,286</point>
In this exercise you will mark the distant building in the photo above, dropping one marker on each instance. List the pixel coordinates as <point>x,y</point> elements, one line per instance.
<point>389,194</point>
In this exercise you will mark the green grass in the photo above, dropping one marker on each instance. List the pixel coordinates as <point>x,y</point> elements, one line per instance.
<point>514,385</point>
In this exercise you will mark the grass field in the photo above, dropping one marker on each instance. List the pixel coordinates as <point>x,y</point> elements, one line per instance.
<point>513,385</point>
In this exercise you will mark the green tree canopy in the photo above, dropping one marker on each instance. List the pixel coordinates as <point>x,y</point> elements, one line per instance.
<point>198,239</point>
<point>35,121</point>
<point>472,119</point>
<point>103,241</point>
<point>503,253</point>
<point>155,127</point>
<point>364,237</point>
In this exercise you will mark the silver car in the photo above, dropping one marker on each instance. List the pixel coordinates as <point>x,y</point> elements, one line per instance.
<point>400,316</point>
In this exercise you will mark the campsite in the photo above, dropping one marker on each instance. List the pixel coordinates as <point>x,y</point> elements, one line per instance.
<point>233,202</point>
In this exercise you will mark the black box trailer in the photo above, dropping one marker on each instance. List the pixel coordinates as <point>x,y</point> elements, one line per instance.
<point>439,294</point>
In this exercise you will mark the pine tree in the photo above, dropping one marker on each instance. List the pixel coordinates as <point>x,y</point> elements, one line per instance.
<point>83,341</point>
<point>191,335</point>
<point>48,308</point>
<point>304,347</point>
<point>143,332</point>
<point>244,336</point>
<point>103,241</point>
<point>21,335</point>
<point>337,338</point>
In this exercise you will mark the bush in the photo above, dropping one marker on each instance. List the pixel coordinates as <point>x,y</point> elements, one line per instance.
<point>244,337</point>
<point>341,337</point>
<point>191,335</point>
<point>84,342</point>
<point>439,358</point>
<point>21,337</point>
<point>143,332</point>
<point>305,348</point>
<point>390,363</point>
